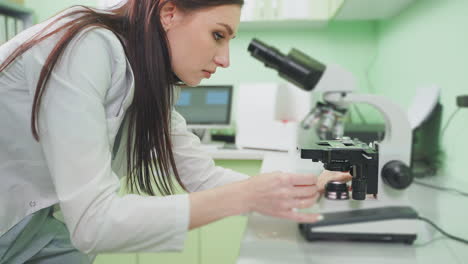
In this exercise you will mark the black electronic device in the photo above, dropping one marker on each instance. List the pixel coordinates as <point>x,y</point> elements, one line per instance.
<point>462,101</point>
<point>312,231</point>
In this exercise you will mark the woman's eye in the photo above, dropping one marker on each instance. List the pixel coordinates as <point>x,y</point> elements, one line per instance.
<point>218,36</point>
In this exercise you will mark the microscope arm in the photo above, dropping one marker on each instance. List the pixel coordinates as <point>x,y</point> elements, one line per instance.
<point>398,133</point>
<point>395,148</point>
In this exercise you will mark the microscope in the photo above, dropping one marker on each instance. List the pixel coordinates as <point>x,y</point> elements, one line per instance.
<point>379,210</point>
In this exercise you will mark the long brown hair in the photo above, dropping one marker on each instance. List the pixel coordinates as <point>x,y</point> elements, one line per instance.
<point>137,24</point>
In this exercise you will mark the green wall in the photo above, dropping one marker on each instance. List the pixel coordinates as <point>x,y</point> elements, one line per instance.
<point>427,44</point>
<point>351,44</point>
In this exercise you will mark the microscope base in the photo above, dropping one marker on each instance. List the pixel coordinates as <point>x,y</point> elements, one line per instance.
<point>391,224</point>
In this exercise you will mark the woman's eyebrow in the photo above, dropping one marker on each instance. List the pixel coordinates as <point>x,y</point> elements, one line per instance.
<point>228,28</point>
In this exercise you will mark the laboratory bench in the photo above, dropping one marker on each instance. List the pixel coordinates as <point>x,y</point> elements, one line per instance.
<point>271,240</point>
<point>256,239</point>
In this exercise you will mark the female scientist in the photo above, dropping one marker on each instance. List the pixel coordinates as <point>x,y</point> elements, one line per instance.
<point>86,97</point>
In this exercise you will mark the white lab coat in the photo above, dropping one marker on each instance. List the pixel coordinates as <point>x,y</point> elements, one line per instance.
<point>81,112</point>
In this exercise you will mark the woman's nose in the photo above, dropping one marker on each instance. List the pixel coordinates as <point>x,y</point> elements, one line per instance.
<point>222,59</point>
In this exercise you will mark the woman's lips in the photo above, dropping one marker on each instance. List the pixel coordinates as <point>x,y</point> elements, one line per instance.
<point>207,74</point>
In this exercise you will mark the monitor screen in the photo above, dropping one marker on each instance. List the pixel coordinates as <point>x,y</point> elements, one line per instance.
<point>206,106</point>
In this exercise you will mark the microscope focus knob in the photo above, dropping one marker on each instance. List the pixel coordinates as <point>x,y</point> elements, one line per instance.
<point>359,189</point>
<point>397,174</point>
<point>335,190</point>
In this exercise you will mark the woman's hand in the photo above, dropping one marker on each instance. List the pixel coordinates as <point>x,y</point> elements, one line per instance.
<point>275,194</point>
<point>279,194</point>
<point>327,176</point>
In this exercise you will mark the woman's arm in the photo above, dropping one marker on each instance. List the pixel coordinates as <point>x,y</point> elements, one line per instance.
<point>276,194</point>
<point>196,168</point>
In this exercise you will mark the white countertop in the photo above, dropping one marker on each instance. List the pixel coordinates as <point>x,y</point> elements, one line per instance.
<point>270,240</point>
<point>216,151</point>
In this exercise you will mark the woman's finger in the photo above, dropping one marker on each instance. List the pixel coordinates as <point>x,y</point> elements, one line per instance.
<point>304,203</point>
<point>327,176</point>
<point>303,179</point>
<point>342,176</point>
<point>304,191</point>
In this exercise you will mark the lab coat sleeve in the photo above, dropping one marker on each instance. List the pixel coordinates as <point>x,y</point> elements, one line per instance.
<point>196,168</point>
<point>74,138</point>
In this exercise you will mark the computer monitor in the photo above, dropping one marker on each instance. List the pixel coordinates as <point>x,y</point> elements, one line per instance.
<point>206,106</point>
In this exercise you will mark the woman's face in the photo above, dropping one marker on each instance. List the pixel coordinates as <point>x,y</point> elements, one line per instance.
<point>199,40</point>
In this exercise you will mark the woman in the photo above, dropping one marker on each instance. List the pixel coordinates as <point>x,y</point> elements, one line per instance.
<point>72,80</point>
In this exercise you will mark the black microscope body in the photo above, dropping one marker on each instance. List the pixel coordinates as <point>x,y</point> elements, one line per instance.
<point>360,159</point>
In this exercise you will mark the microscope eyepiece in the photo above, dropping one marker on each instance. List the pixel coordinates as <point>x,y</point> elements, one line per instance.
<point>272,57</point>
<point>296,67</point>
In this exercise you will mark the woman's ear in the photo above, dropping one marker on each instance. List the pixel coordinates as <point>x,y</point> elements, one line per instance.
<point>168,14</point>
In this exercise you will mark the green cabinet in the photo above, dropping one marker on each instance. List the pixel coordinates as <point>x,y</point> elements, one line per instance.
<point>249,167</point>
<point>190,254</point>
<point>116,259</point>
<point>218,242</point>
